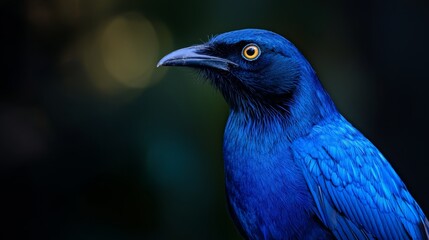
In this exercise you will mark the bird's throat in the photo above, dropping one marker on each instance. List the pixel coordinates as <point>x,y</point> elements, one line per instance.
<point>291,114</point>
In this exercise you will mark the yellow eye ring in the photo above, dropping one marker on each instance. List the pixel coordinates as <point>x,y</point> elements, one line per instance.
<point>251,52</point>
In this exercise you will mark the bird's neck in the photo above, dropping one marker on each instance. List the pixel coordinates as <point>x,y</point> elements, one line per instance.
<point>294,115</point>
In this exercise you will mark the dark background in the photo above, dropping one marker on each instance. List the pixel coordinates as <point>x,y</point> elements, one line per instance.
<point>95,143</point>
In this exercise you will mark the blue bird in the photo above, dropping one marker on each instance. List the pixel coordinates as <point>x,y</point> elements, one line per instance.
<point>295,168</point>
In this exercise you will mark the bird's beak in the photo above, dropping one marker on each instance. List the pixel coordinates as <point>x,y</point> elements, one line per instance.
<point>195,56</point>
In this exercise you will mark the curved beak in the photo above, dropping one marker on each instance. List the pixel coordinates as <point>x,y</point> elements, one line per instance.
<point>195,56</point>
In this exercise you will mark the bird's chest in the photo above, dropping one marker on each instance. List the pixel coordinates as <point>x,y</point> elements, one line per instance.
<point>266,191</point>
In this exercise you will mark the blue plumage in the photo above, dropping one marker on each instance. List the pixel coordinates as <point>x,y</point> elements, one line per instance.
<point>294,167</point>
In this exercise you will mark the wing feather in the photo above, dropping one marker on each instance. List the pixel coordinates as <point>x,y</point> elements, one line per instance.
<point>357,193</point>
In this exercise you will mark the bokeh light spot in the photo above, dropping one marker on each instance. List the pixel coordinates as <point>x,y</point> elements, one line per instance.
<point>129,49</point>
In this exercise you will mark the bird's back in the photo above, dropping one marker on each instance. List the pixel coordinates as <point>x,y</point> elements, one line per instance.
<point>357,193</point>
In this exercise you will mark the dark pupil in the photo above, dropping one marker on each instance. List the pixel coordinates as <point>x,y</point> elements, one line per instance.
<point>250,51</point>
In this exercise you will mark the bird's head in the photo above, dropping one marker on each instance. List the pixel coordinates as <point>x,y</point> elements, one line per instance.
<point>252,68</point>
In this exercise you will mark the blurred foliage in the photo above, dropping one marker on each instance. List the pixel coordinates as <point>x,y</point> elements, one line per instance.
<point>96,143</point>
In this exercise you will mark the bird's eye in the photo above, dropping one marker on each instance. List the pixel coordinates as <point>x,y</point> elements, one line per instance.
<point>251,52</point>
